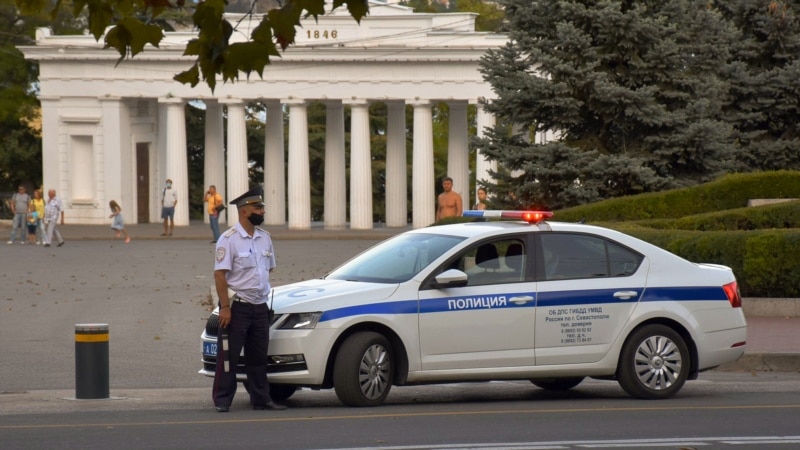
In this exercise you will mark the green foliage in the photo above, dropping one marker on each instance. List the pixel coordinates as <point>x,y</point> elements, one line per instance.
<point>763,81</point>
<point>725,193</point>
<point>20,140</point>
<point>706,224</point>
<point>640,96</point>
<point>135,23</point>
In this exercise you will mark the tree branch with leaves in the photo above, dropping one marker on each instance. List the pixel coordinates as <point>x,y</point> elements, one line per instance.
<point>134,24</point>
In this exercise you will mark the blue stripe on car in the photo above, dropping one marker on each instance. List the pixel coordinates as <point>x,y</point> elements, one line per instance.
<point>543,300</point>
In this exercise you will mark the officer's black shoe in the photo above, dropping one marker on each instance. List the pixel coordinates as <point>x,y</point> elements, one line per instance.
<point>271,405</point>
<point>223,408</point>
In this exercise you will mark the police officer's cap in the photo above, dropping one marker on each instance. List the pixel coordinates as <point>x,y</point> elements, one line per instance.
<point>252,197</point>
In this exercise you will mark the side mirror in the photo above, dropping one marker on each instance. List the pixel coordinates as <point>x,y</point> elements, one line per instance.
<point>451,278</point>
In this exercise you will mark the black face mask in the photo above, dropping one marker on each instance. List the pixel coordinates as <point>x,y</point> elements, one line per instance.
<point>256,219</point>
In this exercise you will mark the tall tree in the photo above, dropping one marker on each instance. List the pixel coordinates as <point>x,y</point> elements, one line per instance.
<point>764,81</point>
<point>630,94</point>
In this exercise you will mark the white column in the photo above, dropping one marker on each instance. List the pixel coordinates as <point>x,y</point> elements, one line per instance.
<point>360,167</point>
<point>458,151</point>
<point>176,165</point>
<point>51,148</point>
<point>274,165</point>
<point>160,172</point>
<point>482,166</point>
<point>238,181</point>
<point>396,181</point>
<point>214,161</point>
<point>299,169</point>
<point>335,165</point>
<point>422,197</point>
<point>115,158</point>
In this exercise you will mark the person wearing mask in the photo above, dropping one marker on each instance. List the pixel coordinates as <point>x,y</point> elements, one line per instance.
<point>243,260</point>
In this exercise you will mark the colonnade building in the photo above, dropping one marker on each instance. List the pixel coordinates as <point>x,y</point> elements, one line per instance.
<point>117,131</point>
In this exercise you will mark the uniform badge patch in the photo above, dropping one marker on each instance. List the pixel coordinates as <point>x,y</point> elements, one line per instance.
<point>220,253</point>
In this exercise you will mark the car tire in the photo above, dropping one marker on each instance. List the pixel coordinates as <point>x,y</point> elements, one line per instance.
<point>281,392</point>
<point>654,363</point>
<point>557,384</point>
<point>277,392</point>
<point>363,369</point>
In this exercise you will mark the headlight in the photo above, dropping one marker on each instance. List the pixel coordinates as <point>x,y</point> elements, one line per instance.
<point>301,321</point>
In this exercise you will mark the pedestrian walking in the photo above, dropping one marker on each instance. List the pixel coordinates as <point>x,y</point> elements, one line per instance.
<point>38,203</point>
<point>244,258</point>
<point>53,214</point>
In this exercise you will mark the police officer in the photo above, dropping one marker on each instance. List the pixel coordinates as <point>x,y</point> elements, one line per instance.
<point>244,258</point>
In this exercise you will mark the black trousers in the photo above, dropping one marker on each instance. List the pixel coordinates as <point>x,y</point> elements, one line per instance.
<point>249,328</point>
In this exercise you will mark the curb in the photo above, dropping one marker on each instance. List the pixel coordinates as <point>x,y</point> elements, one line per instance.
<point>764,362</point>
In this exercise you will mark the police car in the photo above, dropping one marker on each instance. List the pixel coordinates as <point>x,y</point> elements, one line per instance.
<point>522,298</point>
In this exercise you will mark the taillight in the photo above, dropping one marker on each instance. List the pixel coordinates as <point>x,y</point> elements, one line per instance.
<point>732,291</point>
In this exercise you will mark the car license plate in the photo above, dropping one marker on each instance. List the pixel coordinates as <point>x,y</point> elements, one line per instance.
<point>210,348</point>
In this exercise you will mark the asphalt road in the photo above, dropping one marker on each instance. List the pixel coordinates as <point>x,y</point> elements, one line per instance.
<point>721,410</point>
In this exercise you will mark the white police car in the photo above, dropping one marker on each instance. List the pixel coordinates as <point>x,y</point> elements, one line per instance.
<point>543,301</point>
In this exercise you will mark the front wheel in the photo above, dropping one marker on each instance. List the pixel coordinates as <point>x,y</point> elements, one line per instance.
<point>654,363</point>
<point>363,369</point>
<point>280,392</point>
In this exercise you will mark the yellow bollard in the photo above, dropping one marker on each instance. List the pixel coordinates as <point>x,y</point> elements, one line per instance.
<point>91,361</point>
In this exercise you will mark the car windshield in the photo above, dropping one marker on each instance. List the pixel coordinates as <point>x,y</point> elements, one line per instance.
<point>396,260</point>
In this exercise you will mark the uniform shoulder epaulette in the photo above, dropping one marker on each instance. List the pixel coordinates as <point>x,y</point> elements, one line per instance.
<point>230,232</point>
<point>265,231</point>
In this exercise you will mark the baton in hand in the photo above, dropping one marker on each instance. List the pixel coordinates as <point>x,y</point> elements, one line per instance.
<point>226,363</point>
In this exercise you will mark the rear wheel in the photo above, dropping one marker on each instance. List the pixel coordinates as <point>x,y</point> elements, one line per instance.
<point>654,363</point>
<point>557,384</point>
<point>363,370</point>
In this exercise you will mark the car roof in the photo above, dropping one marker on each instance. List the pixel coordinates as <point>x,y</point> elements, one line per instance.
<point>478,230</point>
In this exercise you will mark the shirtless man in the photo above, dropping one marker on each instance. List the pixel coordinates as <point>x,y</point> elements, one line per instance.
<point>449,201</point>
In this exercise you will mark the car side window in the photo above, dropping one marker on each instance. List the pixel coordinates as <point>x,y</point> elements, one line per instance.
<point>569,256</point>
<point>495,262</point>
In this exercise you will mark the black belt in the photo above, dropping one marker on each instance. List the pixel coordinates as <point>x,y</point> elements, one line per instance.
<point>236,298</point>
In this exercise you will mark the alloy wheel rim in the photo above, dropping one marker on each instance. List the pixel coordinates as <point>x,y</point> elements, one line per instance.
<point>373,374</point>
<point>658,363</point>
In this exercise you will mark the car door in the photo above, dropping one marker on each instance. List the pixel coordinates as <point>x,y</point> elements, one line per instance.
<point>487,323</point>
<point>588,287</point>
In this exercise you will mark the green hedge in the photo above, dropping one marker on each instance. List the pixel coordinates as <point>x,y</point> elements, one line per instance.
<point>780,215</point>
<point>727,192</point>
<point>765,262</point>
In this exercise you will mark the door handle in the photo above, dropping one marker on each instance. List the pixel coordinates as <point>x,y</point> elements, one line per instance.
<point>625,295</point>
<point>521,300</point>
